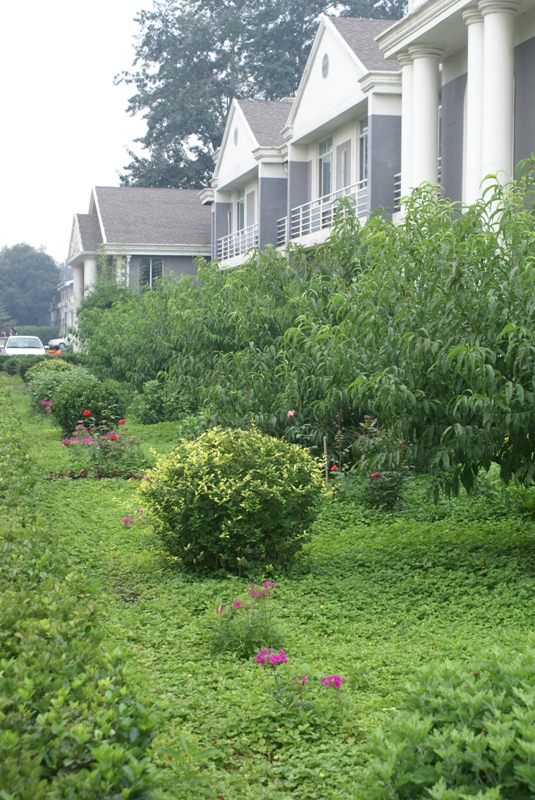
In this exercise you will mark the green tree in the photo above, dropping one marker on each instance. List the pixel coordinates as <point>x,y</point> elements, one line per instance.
<point>195,56</point>
<point>28,283</point>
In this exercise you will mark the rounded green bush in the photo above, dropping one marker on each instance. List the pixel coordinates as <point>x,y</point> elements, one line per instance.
<point>233,501</point>
<point>80,390</point>
<point>465,731</point>
<point>48,365</point>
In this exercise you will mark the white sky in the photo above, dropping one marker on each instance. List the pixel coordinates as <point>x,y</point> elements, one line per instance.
<point>63,124</point>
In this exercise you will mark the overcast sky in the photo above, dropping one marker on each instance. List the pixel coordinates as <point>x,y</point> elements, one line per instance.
<point>63,124</point>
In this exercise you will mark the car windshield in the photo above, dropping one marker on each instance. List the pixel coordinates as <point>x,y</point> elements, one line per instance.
<point>25,341</point>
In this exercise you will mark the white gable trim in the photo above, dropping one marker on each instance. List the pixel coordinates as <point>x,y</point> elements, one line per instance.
<point>235,108</point>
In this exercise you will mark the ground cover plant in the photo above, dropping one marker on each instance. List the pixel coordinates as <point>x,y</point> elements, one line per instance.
<point>422,594</point>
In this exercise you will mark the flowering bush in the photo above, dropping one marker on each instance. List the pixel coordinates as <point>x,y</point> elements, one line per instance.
<point>79,390</point>
<point>382,490</point>
<point>233,500</point>
<point>106,453</point>
<point>244,625</point>
<point>44,378</point>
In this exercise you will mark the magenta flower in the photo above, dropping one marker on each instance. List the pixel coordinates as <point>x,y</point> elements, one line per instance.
<point>262,655</point>
<point>278,658</point>
<point>220,610</point>
<point>303,678</point>
<point>127,521</point>
<point>87,440</point>
<point>65,441</point>
<point>334,680</point>
<point>236,604</point>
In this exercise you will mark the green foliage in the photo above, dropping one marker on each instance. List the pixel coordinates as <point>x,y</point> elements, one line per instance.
<point>78,391</point>
<point>233,501</point>
<point>54,365</point>
<point>18,365</point>
<point>465,731</point>
<point>244,626</point>
<point>17,475</point>
<point>44,332</point>
<point>28,283</point>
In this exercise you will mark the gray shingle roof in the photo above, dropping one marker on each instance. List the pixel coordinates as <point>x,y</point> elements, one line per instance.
<point>360,34</point>
<point>90,234</point>
<point>266,118</point>
<point>135,215</point>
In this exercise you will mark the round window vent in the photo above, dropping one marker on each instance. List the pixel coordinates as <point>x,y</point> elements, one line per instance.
<point>325,65</point>
<point>235,136</point>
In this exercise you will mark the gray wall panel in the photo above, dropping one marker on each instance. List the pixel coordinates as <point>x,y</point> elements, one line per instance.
<point>272,204</point>
<point>343,179</point>
<point>220,224</point>
<point>453,94</point>
<point>384,144</point>
<point>299,183</point>
<point>524,100</point>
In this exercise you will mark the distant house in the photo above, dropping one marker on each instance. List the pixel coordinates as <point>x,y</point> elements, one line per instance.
<point>248,194</point>
<point>344,129</point>
<point>142,233</point>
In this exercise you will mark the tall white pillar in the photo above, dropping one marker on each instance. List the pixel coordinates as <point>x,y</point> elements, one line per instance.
<point>90,273</point>
<point>425,113</point>
<point>406,122</point>
<point>474,106</point>
<point>77,285</point>
<point>498,87</point>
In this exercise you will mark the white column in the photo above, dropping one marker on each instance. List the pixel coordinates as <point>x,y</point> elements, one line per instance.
<point>425,113</point>
<point>77,285</point>
<point>474,106</point>
<point>90,273</point>
<point>498,87</point>
<point>406,122</point>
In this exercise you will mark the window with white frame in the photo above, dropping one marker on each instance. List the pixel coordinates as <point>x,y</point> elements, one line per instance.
<point>150,269</point>
<point>325,167</point>
<point>240,210</point>
<point>363,150</point>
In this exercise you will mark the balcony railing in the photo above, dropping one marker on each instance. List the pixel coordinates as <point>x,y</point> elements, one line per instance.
<point>320,213</point>
<point>282,231</point>
<point>238,243</point>
<point>397,191</point>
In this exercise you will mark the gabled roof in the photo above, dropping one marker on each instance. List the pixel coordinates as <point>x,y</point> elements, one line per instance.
<point>266,118</point>
<point>138,215</point>
<point>90,237</point>
<point>360,35</point>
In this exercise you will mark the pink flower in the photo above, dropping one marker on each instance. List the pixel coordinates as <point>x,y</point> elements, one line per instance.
<point>66,441</point>
<point>236,604</point>
<point>269,584</point>
<point>87,440</point>
<point>220,610</point>
<point>335,680</point>
<point>278,658</point>
<point>127,521</point>
<point>262,655</point>
<point>291,413</point>
<point>303,678</point>
<point>376,475</point>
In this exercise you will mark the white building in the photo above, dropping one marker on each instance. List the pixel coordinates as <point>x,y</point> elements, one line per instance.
<point>468,91</point>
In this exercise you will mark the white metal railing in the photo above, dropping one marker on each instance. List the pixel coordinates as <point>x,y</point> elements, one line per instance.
<point>238,243</point>
<point>282,231</point>
<point>439,170</point>
<point>397,191</point>
<point>320,213</point>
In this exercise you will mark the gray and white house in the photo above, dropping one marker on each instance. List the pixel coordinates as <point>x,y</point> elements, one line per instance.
<point>248,193</point>
<point>468,91</point>
<point>143,233</point>
<point>344,129</point>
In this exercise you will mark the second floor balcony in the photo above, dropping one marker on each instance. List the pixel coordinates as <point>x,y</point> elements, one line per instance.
<point>237,243</point>
<point>320,213</point>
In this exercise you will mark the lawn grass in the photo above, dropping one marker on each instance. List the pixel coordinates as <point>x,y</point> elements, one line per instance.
<point>372,598</point>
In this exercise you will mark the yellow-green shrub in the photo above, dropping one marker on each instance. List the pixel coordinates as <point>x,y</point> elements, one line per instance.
<point>233,500</point>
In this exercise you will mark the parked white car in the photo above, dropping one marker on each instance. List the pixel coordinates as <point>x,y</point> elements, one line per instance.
<point>58,344</point>
<point>24,346</point>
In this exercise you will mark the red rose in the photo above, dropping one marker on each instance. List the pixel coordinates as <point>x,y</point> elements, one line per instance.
<point>86,413</point>
<point>112,437</point>
<point>120,422</point>
<point>375,475</point>
<point>334,468</point>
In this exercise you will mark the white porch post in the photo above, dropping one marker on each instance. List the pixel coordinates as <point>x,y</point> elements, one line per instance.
<point>77,285</point>
<point>425,113</point>
<point>406,122</point>
<point>474,105</point>
<point>90,273</point>
<point>498,87</point>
